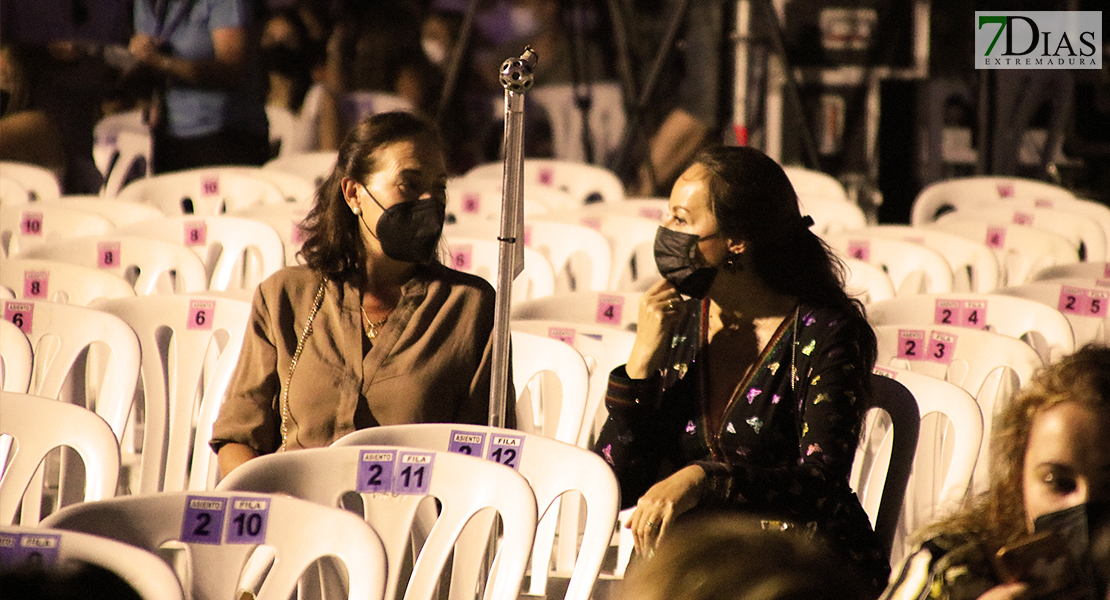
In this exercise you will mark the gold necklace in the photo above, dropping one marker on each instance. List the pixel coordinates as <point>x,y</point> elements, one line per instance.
<point>372,328</point>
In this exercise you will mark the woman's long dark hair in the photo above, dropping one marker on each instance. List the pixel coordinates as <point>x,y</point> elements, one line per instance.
<point>333,245</point>
<point>754,201</point>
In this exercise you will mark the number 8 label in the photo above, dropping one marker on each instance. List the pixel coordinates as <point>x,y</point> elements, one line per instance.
<point>107,255</point>
<point>204,520</point>
<point>36,284</point>
<point>201,313</point>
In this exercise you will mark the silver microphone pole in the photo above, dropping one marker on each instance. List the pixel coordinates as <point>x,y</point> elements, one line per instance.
<point>516,78</point>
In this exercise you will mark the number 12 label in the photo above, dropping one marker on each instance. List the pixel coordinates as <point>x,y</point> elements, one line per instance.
<point>506,449</point>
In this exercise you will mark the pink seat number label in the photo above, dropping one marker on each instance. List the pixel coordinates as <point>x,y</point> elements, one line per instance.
<point>609,309</point>
<point>201,313</point>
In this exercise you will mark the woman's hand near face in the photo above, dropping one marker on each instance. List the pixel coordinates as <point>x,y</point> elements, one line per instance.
<point>661,310</point>
<point>661,504</point>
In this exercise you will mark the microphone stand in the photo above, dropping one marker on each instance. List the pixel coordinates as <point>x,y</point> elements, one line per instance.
<point>516,77</point>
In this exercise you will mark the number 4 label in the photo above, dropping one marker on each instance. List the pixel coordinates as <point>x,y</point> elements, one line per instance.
<point>609,309</point>
<point>201,313</point>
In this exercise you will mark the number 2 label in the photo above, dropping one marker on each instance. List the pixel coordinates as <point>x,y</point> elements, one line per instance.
<point>911,344</point>
<point>204,520</point>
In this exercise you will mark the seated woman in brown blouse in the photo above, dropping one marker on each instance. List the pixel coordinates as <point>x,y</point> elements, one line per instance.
<point>749,375</point>
<point>372,330</point>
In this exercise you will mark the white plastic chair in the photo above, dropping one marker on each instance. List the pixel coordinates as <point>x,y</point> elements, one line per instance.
<point>951,433</point>
<point>31,225</point>
<point>464,486</point>
<point>190,345</point>
<point>38,425</point>
<point>480,199</point>
<point>41,183</point>
<point>989,366</point>
<point>602,347</point>
<point>630,228</point>
<point>609,308</point>
<point>286,220</point>
<point>606,118</point>
<point>552,383</point>
<point>294,188</point>
<point>41,279</point>
<point>1041,327</point>
<point>1085,234</point>
<point>150,266</point>
<point>133,161</point>
<point>1021,251</point>
<point>17,358</point>
<point>208,191</point>
<point>479,256</point>
<point>117,212</point>
<point>310,166</point>
<point>1088,209</point>
<point>974,266</point>
<point>912,268</point>
<point>830,216</point>
<point>1083,302</point>
<point>39,547</point>
<point>1083,270</point>
<point>956,193</point>
<point>238,253</point>
<point>810,183</point>
<point>587,183</point>
<point>106,132</point>
<point>552,468</point>
<point>867,282</point>
<point>12,193</point>
<point>217,562</point>
<point>283,125</point>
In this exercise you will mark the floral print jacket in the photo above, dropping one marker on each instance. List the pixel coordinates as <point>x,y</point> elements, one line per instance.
<point>785,447</point>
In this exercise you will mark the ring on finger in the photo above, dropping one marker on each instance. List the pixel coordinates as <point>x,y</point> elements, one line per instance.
<point>670,304</point>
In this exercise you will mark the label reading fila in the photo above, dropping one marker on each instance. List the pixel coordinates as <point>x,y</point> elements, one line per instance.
<point>506,449</point>
<point>247,520</point>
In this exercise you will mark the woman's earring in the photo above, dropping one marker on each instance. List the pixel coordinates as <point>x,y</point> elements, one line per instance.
<point>356,211</point>
<point>733,264</point>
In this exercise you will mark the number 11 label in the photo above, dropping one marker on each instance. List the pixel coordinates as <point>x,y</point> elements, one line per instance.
<point>414,474</point>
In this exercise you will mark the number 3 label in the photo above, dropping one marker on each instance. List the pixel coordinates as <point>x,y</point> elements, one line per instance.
<point>201,313</point>
<point>941,347</point>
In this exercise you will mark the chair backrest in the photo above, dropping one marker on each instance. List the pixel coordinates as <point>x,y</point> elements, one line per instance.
<point>810,183</point>
<point>43,548</point>
<point>1084,270</point>
<point>602,347</point>
<point>867,282</point>
<point>16,357</point>
<point>190,345</point>
<point>884,458</point>
<point>832,215</point>
<point>237,252</point>
<point>359,104</point>
<point>203,192</point>
<point>1085,234</point>
<point>989,366</point>
<point>974,266</point>
<point>132,160</point>
<point>41,183</point>
<point>552,384</point>
<point>551,467</point>
<point>118,212</point>
<point>610,308</point>
<point>12,193</point>
<point>1092,211</point>
<point>150,266</point>
<point>106,132</point>
<point>605,118</point>
<point>286,220</point>
<point>294,188</point>
<point>1042,327</point>
<point>1021,250</point>
<point>81,356</point>
<point>588,183</point>
<point>41,279</point>
<point>38,425</point>
<point>912,268</point>
<point>392,482</point>
<point>956,193</point>
<point>479,198</point>
<point>479,256</point>
<point>31,225</point>
<point>283,125</point>
<point>1083,302</point>
<point>310,166</point>
<point>948,444</point>
<point>630,228</point>
<point>223,531</point>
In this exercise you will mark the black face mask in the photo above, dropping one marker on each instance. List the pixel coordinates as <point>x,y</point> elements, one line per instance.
<point>409,231</point>
<point>675,257</point>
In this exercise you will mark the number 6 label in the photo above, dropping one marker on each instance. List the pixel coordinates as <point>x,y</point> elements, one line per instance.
<point>204,520</point>
<point>21,314</point>
<point>201,313</point>
<point>247,520</point>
